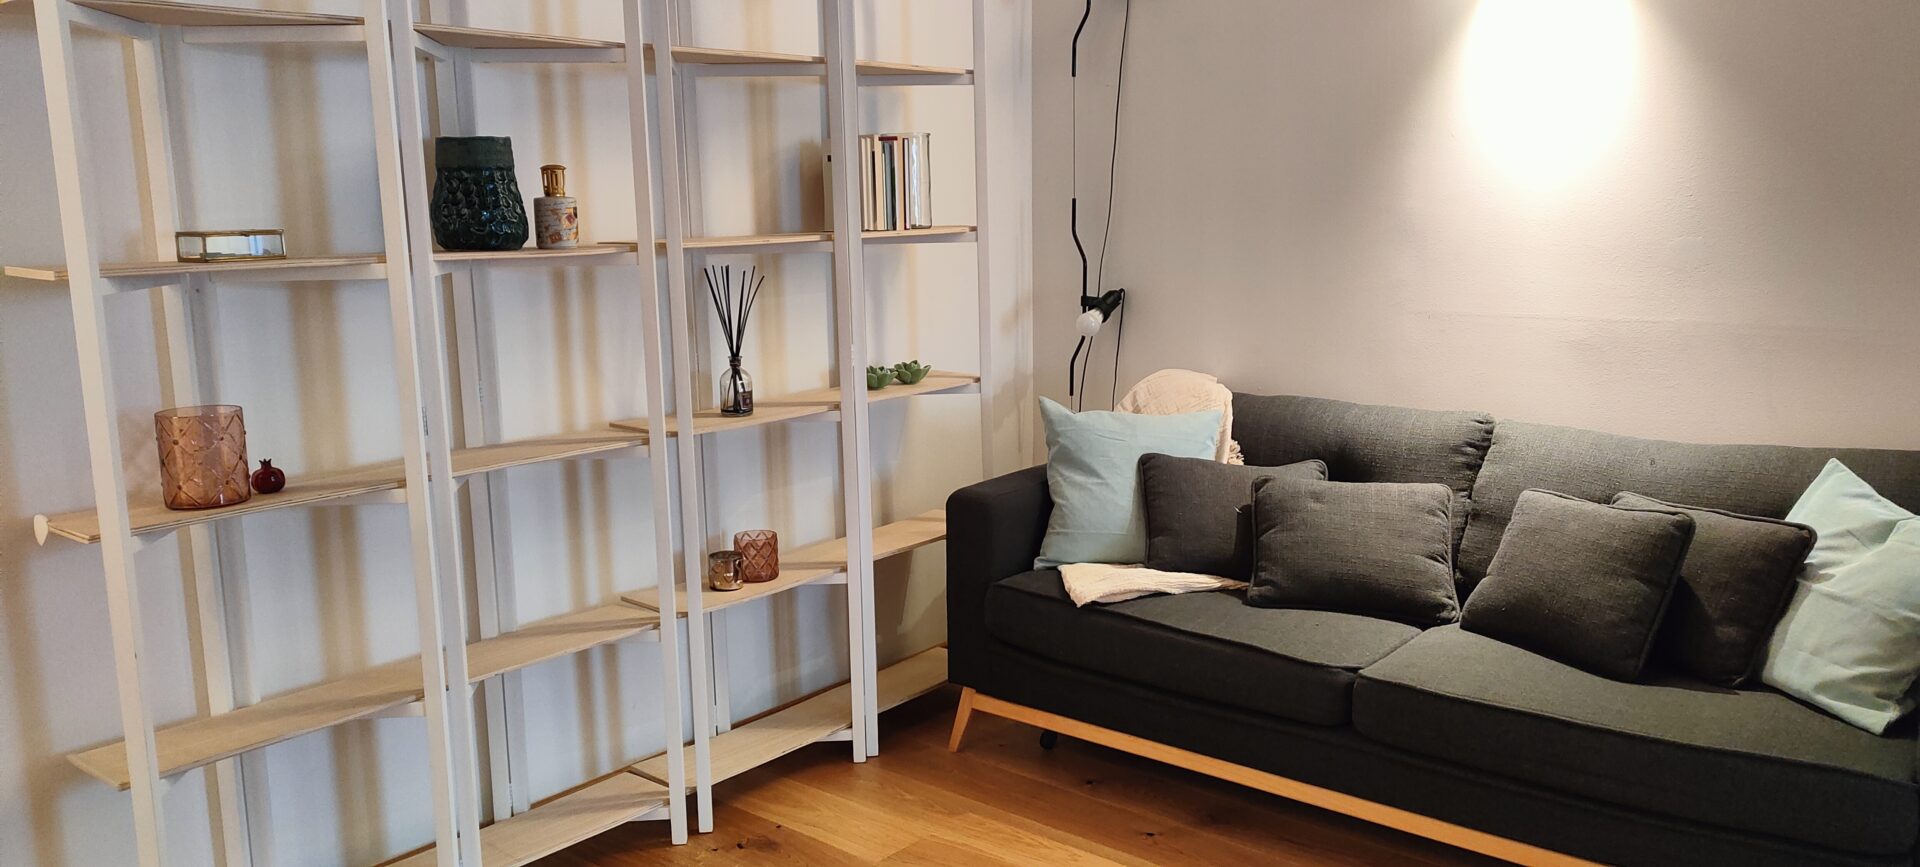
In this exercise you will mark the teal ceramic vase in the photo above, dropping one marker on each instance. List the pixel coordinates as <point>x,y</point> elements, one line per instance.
<point>476,201</point>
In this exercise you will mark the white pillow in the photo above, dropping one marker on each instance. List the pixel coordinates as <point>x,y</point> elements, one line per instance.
<point>1849,643</point>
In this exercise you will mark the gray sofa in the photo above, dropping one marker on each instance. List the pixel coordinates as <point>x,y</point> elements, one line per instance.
<point>1443,722</point>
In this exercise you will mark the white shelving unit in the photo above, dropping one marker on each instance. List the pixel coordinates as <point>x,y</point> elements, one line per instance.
<point>849,712</point>
<point>440,462</point>
<point>446,462</point>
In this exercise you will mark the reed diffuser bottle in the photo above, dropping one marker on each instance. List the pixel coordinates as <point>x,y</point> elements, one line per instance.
<point>733,305</point>
<point>556,215</point>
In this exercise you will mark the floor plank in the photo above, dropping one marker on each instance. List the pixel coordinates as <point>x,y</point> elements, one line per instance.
<point>1002,801</point>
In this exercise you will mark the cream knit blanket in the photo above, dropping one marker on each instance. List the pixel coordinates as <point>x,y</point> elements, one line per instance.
<point>1104,582</point>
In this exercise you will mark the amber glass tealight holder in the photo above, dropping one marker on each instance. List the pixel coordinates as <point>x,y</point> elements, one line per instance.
<point>759,555</point>
<point>203,456</point>
<point>723,571</point>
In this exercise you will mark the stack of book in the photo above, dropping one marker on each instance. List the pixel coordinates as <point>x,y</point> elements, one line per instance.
<point>896,184</point>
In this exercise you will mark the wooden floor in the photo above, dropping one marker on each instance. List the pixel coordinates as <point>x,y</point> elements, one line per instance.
<point>1001,801</point>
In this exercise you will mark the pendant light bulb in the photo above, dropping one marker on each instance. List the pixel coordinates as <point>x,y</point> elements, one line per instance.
<point>1098,311</point>
<point>1088,323</point>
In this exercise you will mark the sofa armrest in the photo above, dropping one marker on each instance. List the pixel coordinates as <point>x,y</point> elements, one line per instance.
<point>994,530</point>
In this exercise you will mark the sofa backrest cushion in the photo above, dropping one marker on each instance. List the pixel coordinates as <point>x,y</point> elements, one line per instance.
<point>1365,443</point>
<point>1748,479</point>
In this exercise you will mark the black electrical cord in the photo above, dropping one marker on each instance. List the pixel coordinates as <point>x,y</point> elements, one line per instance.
<point>1113,154</point>
<point>1113,165</point>
<point>1076,369</point>
<point>1073,156</point>
<point>1119,336</point>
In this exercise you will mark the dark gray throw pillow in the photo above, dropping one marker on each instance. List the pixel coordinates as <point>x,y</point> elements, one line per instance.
<point>1581,582</point>
<point>1197,515</point>
<point>1380,549</point>
<point>1734,586</point>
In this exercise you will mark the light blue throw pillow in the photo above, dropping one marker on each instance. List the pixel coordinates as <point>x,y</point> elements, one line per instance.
<point>1850,641</point>
<point>1093,474</point>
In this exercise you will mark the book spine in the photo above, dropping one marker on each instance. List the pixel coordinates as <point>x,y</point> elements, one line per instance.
<point>919,176</point>
<point>900,183</point>
<point>869,214</point>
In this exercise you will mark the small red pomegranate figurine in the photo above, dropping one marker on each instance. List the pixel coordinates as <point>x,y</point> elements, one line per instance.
<point>269,479</point>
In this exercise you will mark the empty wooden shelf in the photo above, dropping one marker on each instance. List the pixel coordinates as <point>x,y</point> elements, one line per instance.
<point>312,489</point>
<point>777,242</point>
<point>168,12</point>
<point>759,741</point>
<point>554,825</point>
<point>484,39</point>
<point>192,744</point>
<point>889,540</point>
<point>288,269</point>
<point>883,67</point>
<point>817,562</point>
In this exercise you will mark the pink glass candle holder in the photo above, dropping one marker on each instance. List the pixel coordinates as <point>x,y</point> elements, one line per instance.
<point>759,555</point>
<point>203,456</point>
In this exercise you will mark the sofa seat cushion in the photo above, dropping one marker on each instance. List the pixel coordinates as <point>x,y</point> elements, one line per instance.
<point>1298,665</point>
<point>1749,760</point>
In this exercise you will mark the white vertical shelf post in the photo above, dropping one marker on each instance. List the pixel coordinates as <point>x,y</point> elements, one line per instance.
<point>982,219</point>
<point>420,368</point>
<point>184,369</point>
<point>502,701</point>
<point>693,541</point>
<point>53,22</point>
<point>686,109</point>
<point>661,476</point>
<point>849,292</point>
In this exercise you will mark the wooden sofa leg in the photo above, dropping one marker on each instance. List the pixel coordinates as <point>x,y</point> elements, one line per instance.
<point>961,715</point>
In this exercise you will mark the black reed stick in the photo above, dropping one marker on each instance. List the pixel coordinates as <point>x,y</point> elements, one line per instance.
<point>733,308</point>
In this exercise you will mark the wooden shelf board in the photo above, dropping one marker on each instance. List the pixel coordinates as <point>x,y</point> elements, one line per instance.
<point>585,812</point>
<point>793,574</point>
<point>182,269</point>
<point>889,540</point>
<point>801,405</point>
<point>887,67</point>
<point>711,421</point>
<point>556,637</point>
<point>821,560</point>
<point>755,743</point>
<point>195,743</point>
<point>901,236</point>
<point>168,12</point>
<point>737,56</point>
<point>482,38</point>
<point>313,489</point>
<point>934,383</point>
<point>777,240</point>
<point>532,254</point>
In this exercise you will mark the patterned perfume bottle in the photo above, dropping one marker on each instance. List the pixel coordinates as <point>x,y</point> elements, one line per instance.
<point>556,216</point>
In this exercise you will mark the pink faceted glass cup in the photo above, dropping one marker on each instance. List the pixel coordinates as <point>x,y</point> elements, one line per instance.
<point>203,456</point>
<point>759,555</point>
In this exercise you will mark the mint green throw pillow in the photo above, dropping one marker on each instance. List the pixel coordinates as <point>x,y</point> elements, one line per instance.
<point>1093,473</point>
<point>1849,643</point>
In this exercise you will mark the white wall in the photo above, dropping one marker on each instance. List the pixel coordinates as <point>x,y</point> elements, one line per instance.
<point>1695,220</point>
<point>281,137</point>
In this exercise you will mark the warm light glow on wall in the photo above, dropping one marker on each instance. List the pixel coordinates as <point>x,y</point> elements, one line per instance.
<point>1546,82</point>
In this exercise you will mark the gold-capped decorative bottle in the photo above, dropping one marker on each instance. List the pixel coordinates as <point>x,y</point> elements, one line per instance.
<point>556,215</point>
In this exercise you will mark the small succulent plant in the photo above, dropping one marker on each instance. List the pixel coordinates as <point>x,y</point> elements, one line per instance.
<point>910,372</point>
<point>879,377</point>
